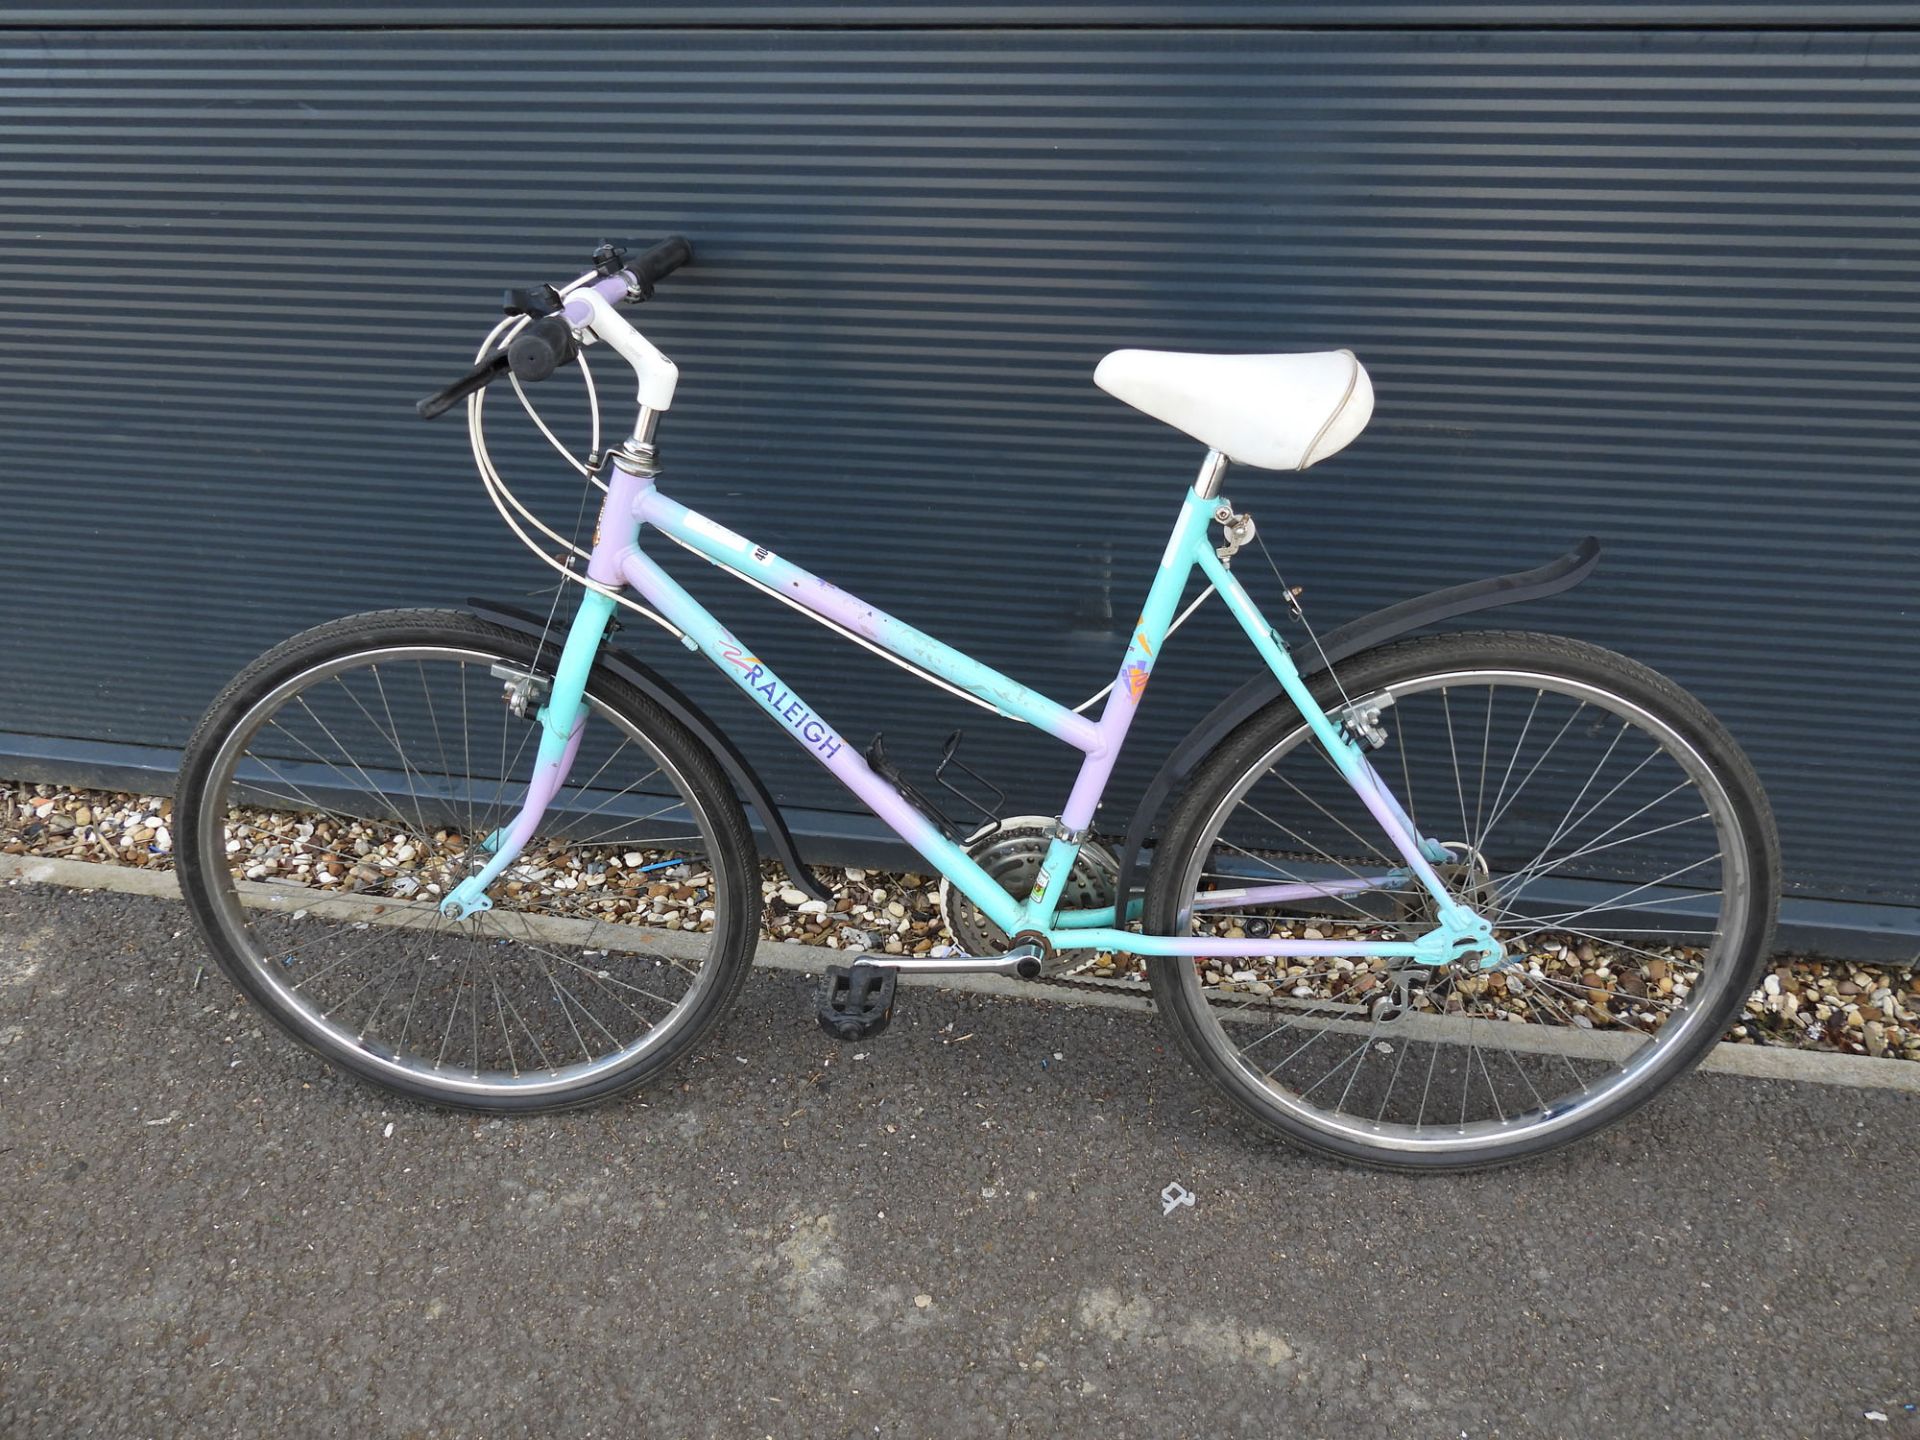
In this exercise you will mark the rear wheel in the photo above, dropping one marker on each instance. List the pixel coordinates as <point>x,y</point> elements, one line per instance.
<point>1597,814</point>
<point>347,780</point>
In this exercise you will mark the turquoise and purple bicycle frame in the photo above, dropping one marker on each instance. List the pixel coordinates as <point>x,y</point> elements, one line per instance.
<point>633,502</point>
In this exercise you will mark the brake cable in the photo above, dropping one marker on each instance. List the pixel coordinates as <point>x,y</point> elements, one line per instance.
<point>507,503</point>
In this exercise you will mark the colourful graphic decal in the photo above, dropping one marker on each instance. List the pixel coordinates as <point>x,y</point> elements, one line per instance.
<point>1135,678</point>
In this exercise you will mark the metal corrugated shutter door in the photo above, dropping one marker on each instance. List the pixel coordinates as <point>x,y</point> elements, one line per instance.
<point>1658,285</point>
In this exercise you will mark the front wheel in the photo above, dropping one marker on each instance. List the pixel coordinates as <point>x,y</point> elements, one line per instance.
<point>1594,812</point>
<point>349,779</point>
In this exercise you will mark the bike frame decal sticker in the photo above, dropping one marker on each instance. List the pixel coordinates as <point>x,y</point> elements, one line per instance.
<point>714,530</point>
<point>792,712</point>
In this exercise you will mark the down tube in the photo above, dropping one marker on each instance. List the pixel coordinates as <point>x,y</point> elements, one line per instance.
<point>818,738</point>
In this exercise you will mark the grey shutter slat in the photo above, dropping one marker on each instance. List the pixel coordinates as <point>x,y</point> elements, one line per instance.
<point>1656,285</point>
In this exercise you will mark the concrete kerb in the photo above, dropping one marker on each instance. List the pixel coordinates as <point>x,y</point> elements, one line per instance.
<point>1754,1062</point>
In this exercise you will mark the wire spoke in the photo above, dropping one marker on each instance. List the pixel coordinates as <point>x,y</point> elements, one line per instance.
<point>1363,842</point>
<point>1563,826</point>
<point>1650,885</point>
<point>1597,940</point>
<point>254,787</point>
<point>1521,882</point>
<point>367,942</point>
<point>1480,787</point>
<point>367,789</point>
<point>1284,874</point>
<point>1533,867</point>
<point>1514,882</point>
<point>1453,753</point>
<point>1573,778</point>
<point>1479,838</point>
<point>1533,770</point>
<point>392,736</point>
<point>372,789</point>
<point>606,982</point>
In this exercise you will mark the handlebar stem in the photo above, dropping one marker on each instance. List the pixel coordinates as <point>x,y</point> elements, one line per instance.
<point>588,309</point>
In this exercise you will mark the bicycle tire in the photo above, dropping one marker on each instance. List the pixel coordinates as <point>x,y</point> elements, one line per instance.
<point>1406,667</point>
<point>211,890</point>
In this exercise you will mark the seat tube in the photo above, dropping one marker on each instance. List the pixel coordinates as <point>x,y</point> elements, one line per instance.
<point>1123,700</point>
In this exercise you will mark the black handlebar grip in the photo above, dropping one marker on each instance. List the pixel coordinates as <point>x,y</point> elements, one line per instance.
<point>542,348</point>
<point>656,262</point>
<point>478,378</point>
<point>547,343</point>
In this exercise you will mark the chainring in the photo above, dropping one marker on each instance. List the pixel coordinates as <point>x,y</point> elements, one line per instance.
<point>1011,852</point>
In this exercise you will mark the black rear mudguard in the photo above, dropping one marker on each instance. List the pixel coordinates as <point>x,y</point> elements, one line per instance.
<point>1349,640</point>
<point>668,696</point>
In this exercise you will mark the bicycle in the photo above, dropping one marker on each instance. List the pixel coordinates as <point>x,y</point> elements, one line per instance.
<point>1558,919</point>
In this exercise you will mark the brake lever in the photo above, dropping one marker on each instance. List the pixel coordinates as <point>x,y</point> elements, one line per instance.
<point>535,300</point>
<point>480,376</point>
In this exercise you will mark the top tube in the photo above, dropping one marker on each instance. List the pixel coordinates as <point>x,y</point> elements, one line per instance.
<point>757,564</point>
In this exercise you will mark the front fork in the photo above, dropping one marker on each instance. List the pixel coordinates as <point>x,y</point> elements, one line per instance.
<point>563,719</point>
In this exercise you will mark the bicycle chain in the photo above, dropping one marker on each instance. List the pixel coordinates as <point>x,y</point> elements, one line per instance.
<point>1113,985</point>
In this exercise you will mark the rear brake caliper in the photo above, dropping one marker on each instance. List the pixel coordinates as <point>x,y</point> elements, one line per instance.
<point>1361,720</point>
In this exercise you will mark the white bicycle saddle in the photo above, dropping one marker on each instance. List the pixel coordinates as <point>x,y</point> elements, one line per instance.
<point>1277,412</point>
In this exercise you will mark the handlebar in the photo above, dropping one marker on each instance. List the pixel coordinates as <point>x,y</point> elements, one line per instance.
<point>658,261</point>
<point>547,343</point>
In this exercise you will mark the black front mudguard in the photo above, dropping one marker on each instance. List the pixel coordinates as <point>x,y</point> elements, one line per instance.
<point>1350,639</point>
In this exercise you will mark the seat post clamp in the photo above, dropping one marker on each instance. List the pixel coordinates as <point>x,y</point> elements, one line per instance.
<point>1061,833</point>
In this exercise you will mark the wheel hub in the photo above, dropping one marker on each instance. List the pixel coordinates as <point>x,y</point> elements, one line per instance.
<point>1461,937</point>
<point>468,899</point>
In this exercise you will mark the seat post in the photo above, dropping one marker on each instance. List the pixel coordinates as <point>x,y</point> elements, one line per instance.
<point>1212,470</point>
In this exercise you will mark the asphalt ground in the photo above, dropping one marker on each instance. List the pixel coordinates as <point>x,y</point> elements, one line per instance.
<point>203,1231</point>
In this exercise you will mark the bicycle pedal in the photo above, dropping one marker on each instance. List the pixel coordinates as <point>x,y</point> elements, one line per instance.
<point>856,1001</point>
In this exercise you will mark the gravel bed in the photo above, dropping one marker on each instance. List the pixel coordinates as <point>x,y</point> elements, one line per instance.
<point>1805,1002</point>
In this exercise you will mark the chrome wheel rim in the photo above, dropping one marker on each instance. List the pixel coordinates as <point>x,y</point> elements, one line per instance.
<point>549,991</point>
<point>1373,1034</point>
